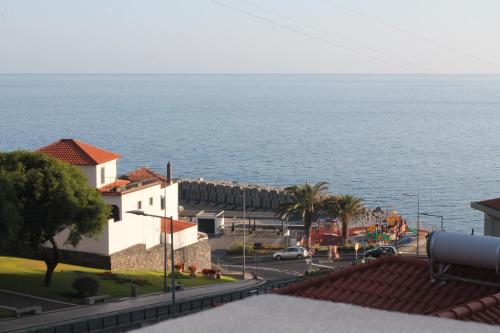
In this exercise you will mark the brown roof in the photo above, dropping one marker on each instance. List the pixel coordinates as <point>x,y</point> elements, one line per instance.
<point>141,175</point>
<point>492,203</point>
<point>78,153</point>
<point>402,284</point>
<point>113,185</point>
<point>177,224</point>
<point>485,310</point>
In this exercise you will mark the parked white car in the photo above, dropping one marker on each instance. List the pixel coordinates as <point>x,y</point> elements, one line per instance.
<point>291,253</point>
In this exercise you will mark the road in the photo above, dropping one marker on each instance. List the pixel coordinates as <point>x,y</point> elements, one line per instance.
<point>269,269</point>
<point>12,299</point>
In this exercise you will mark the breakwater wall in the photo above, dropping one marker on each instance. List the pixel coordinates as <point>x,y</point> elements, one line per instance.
<point>229,193</point>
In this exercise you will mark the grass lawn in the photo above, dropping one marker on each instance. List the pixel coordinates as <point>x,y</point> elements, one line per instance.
<point>26,276</point>
<point>4,313</point>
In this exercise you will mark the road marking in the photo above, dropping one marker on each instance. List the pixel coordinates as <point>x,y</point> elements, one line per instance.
<point>36,297</point>
<point>260,268</point>
<point>7,307</point>
<point>324,266</point>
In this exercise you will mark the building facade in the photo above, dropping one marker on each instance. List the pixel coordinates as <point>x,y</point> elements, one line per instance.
<point>129,241</point>
<point>491,210</point>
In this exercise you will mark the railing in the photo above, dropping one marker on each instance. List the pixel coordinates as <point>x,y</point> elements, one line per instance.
<point>412,250</point>
<point>135,317</point>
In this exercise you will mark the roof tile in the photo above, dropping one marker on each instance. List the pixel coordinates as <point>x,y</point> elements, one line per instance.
<point>142,174</point>
<point>403,284</point>
<point>491,203</point>
<point>178,225</point>
<point>78,153</point>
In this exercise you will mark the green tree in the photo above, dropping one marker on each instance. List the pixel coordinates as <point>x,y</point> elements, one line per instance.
<point>41,197</point>
<point>9,211</point>
<point>305,200</point>
<point>345,207</point>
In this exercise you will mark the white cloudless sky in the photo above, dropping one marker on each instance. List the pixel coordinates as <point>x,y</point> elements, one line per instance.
<point>272,36</point>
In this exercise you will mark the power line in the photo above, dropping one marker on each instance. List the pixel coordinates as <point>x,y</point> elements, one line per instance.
<point>344,39</point>
<point>411,33</point>
<point>311,36</point>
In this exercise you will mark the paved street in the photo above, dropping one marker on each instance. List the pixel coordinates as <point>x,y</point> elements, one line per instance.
<point>17,300</point>
<point>269,269</point>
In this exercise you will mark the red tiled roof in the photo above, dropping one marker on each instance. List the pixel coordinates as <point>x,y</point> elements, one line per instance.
<point>78,153</point>
<point>402,284</point>
<point>485,310</point>
<point>177,224</point>
<point>116,183</point>
<point>492,203</point>
<point>141,175</point>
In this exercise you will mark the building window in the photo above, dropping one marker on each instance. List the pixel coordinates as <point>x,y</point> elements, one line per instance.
<point>139,204</point>
<point>151,201</point>
<point>115,213</point>
<point>162,202</point>
<point>103,175</point>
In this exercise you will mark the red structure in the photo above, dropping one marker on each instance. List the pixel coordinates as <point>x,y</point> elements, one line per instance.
<point>403,284</point>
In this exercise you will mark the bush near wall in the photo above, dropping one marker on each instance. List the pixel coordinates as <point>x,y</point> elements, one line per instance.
<point>237,248</point>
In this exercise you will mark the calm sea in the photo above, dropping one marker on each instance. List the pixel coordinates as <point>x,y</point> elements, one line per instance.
<point>373,136</point>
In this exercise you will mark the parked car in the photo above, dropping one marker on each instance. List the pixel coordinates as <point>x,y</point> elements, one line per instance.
<point>290,253</point>
<point>381,251</point>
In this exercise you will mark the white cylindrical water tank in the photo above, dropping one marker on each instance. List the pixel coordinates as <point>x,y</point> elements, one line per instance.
<point>463,249</point>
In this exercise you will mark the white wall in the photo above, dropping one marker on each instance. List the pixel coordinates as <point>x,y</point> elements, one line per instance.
<point>98,244</point>
<point>93,173</point>
<point>110,173</point>
<point>172,204</point>
<point>184,237</point>
<point>89,171</point>
<point>134,229</point>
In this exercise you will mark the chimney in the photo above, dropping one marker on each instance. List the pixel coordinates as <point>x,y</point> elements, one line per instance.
<point>169,172</point>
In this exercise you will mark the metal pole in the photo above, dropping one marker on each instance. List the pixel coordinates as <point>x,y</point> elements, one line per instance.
<point>164,203</point>
<point>418,223</point>
<point>165,282</point>
<point>442,218</point>
<point>172,263</point>
<point>244,240</point>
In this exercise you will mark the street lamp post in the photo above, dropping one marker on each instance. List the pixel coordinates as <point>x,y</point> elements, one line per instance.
<point>172,289</point>
<point>418,217</point>
<point>244,239</point>
<point>435,215</point>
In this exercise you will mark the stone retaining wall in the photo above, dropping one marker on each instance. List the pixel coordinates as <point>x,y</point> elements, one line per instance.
<point>137,257</point>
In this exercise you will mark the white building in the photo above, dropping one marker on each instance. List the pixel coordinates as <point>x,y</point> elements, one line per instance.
<point>142,189</point>
<point>491,210</point>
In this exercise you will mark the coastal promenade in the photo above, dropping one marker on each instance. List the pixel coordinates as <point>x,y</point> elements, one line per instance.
<point>60,317</point>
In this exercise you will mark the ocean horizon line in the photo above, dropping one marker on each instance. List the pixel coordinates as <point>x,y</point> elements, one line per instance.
<point>248,73</point>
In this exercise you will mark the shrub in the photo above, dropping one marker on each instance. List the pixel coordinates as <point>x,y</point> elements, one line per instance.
<point>237,248</point>
<point>192,268</point>
<point>321,271</point>
<point>85,286</point>
<point>207,271</point>
<point>107,275</point>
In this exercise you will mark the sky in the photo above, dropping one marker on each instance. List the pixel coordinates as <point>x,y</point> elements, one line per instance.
<point>249,36</point>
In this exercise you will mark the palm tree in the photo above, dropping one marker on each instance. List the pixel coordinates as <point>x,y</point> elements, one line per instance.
<point>345,207</point>
<point>305,199</point>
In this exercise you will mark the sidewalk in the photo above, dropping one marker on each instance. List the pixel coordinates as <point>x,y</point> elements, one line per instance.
<point>129,303</point>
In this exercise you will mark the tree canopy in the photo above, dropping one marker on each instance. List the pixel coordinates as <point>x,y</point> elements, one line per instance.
<point>40,197</point>
<point>305,200</point>
<point>345,207</point>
